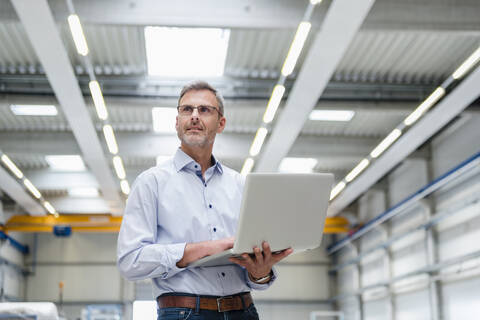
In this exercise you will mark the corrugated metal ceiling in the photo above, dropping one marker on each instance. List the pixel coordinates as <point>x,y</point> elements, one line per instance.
<point>373,56</point>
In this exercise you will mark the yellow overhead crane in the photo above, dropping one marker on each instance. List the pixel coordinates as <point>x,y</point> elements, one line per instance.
<point>108,224</point>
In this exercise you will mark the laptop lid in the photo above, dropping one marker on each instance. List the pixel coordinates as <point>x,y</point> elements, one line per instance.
<point>285,209</point>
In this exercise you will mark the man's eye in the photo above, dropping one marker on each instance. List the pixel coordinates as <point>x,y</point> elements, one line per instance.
<point>188,109</point>
<point>204,109</point>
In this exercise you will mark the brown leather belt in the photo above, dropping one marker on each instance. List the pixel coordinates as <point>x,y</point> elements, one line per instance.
<point>220,304</point>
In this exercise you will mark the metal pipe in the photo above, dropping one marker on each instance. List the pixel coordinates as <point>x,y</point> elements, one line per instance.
<point>427,269</point>
<point>439,216</point>
<point>464,167</point>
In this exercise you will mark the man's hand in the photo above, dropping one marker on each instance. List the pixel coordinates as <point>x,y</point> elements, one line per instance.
<point>197,250</point>
<point>261,264</point>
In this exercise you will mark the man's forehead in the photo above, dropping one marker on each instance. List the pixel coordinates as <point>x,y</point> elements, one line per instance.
<point>199,96</point>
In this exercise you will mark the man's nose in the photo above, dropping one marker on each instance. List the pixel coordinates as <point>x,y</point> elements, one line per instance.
<point>195,113</point>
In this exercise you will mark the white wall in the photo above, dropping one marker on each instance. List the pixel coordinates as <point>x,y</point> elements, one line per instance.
<point>11,280</point>
<point>454,236</point>
<point>85,263</point>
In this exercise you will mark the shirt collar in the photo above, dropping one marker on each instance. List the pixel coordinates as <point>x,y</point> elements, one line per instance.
<point>181,160</point>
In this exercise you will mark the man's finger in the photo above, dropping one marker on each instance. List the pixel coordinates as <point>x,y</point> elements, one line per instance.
<point>258,255</point>
<point>282,255</point>
<point>267,252</point>
<point>249,263</point>
<point>240,262</point>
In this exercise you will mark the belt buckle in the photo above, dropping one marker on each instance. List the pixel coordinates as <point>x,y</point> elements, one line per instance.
<point>219,303</point>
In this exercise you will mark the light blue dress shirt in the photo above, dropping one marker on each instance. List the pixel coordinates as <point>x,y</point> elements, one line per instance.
<point>171,205</point>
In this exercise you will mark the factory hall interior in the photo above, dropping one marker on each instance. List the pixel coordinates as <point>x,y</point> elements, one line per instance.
<point>240,159</point>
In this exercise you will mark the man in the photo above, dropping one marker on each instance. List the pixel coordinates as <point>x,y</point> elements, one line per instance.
<point>185,209</point>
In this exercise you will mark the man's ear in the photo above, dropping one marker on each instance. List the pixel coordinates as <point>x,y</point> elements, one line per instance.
<point>221,124</point>
<point>176,123</point>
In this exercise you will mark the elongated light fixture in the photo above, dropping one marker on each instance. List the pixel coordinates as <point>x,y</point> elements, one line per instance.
<point>273,103</point>
<point>77,34</point>
<point>357,170</point>
<point>387,142</point>
<point>296,47</point>
<point>258,141</point>
<point>119,169</point>
<point>49,207</point>
<point>45,110</point>
<point>424,106</point>
<point>247,166</point>
<point>32,188</point>
<point>331,115</point>
<point>10,165</point>
<point>315,2</point>
<point>110,138</point>
<point>337,189</point>
<point>125,187</point>
<point>98,100</point>
<point>467,65</point>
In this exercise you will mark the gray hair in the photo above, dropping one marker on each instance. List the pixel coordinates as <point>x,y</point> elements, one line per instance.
<point>203,85</point>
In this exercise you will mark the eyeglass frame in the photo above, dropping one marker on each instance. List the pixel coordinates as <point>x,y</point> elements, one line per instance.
<point>196,107</point>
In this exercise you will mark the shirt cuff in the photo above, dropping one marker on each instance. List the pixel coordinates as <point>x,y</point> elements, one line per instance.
<point>263,286</point>
<point>174,253</point>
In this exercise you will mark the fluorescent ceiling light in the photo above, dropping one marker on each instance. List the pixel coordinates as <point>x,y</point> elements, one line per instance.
<point>296,47</point>
<point>65,163</point>
<point>49,207</point>
<point>164,119</point>
<point>162,159</point>
<point>273,103</point>
<point>331,115</point>
<point>110,138</point>
<point>33,110</point>
<point>119,169</point>
<point>356,171</point>
<point>10,165</point>
<point>314,2</point>
<point>297,165</point>
<point>77,34</point>
<point>32,188</point>
<point>422,108</point>
<point>247,166</point>
<point>467,65</point>
<point>125,187</point>
<point>258,141</point>
<point>186,52</point>
<point>386,143</point>
<point>337,189</point>
<point>98,100</point>
<point>83,192</point>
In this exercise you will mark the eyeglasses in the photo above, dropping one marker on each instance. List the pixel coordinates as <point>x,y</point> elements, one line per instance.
<point>202,110</point>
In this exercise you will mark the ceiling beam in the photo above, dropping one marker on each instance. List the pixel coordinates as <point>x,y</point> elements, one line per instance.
<point>227,145</point>
<point>237,88</point>
<point>41,29</point>
<point>446,110</point>
<point>386,14</point>
<point>16,191</point>
<point>342,22</point>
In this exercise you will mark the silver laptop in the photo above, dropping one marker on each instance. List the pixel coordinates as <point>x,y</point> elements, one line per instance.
<point>287,210</point>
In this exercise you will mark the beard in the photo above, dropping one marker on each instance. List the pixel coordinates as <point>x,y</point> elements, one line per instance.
<point>195,139</point>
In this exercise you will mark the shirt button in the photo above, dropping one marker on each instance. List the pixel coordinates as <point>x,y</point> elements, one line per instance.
<point>205,184</point>
<point>210,206</point>
<point>196,166</point>
<point>223,274</point>
<point>214,229</point>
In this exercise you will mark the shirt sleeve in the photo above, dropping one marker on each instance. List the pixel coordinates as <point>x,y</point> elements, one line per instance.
<point>138,255</point>
<point>263,286</point>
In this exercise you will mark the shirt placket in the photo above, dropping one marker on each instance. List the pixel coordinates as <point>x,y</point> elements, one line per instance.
<point>210,206</point>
